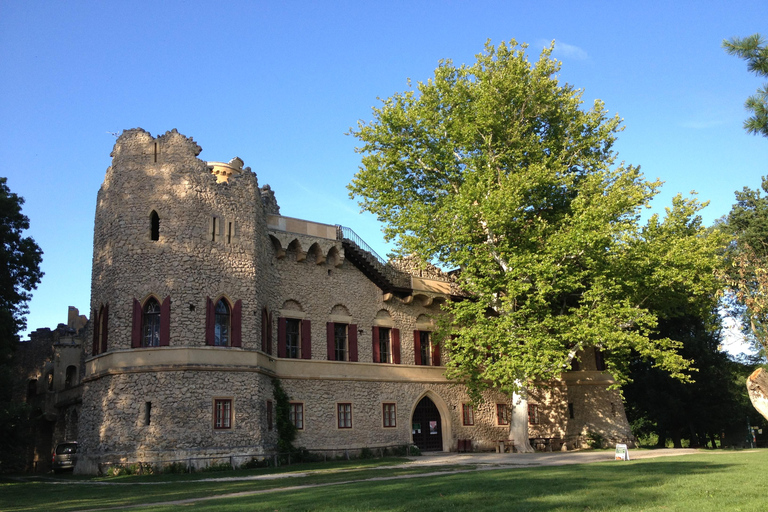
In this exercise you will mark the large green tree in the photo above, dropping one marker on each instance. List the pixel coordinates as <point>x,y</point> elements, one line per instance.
<point>20,273</point>
<point>754,50</point>
<point>497,169</point>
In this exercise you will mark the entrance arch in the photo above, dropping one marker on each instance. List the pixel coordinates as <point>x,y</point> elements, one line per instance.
<point>430,424</point>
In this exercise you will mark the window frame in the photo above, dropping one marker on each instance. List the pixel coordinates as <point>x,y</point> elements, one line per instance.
<point>293,409</point>
<point>385,356</point>
<point>533,414</point>
<point>151,320</point>
<point>345,349</point>
<point>289,335</point>
<point>467,415</point>
<point>347,415</point>
<point>502,415</point>
<point>219,423</point>
<point>389,414</point>
<point>218,323</point>
<point>425,350</point>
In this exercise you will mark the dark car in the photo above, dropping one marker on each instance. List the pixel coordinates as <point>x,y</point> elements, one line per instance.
<point>64,456</point>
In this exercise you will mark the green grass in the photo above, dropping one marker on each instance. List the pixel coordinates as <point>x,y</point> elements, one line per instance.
<point>709,481</point>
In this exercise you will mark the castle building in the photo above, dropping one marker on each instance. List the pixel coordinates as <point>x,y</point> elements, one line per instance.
<point>202,294</point>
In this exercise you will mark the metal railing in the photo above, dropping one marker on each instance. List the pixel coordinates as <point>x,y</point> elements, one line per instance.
<point>343,232</point>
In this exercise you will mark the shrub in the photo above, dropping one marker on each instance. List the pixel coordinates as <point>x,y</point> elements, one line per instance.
<point>366,453</point>
<point>175,468</point>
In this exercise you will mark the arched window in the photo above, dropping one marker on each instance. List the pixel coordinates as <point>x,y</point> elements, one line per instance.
<point>70,378</point>
<point>221,333</point>
<point>151,325</point>
<point>154,222</point>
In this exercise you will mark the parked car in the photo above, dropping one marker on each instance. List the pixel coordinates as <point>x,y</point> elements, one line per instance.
<point>64,456</point>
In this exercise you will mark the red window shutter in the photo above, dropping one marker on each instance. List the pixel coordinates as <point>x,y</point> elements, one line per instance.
<point>96,327</point>
<point>104,327</point>
<point>264,322</point>
<point>281,337</point>
<point>330,341</point>
<point>417,346</point>
<point>306,339</point>
<point>136,328</point>
<point>396,346</point>
<point>236,323</point>
<point>165,322</point>
<point>352,340</point>
<point>210,322</point>
<point>376,353</point>
<point>269,334</point>
<point>435,354</point>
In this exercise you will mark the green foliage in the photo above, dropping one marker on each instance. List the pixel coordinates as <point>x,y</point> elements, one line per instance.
<point>494,168</point>
<point>595,440</point>
<point>754,50</point>
<point>219,466</point>
<point>286,431</point>
<point>175,468</point>
<point>366,453</point>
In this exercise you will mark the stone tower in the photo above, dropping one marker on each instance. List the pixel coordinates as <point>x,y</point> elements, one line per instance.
<point>180,283</point>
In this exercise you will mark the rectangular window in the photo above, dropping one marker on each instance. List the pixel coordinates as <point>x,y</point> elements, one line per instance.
<point>533,414</point>
<point>570,411</point>
<point>502,414</point>
<point>344,415</point>
<point>222,413</point>
<point>269,414</point>
<point>467,414</point>
<point>296,415</point>
<point>147,412</point>
<point>340,341</point>
<point>425,352</point>
<point>384,345</point>
<point>390,416</point>
<point>292,338</point>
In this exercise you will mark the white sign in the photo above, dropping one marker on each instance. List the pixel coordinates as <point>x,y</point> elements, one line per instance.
<point>622,453</point>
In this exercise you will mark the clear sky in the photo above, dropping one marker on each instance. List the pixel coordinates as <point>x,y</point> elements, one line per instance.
<point>280,83</point>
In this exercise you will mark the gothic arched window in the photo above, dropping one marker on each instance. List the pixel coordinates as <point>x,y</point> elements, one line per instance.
<point>154,222</point>
<point>221,333</point>
<point>151,325</point>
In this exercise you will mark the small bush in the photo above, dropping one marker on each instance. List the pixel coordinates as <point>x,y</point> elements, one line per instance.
<point>595,440</point>
<point>366,453</point>
<point>221,466</point>
<point>175,468</point>
<point>414,450</point>
<point>255,463</point>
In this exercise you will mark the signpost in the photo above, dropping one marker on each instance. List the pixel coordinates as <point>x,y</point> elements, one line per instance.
<point>622,452</point>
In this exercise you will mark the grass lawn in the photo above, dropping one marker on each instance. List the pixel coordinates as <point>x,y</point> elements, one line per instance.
<point>721,481</point>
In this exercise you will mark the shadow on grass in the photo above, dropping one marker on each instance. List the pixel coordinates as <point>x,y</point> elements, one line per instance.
<point>673,484</point>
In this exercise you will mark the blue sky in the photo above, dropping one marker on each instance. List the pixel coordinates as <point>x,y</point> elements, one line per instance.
<point>280,83</point>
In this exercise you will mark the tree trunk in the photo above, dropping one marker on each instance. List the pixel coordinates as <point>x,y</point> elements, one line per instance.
<point>518,427</point>
<point>757,387</point>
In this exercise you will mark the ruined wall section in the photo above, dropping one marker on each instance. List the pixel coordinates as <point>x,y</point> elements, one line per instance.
<point>188,261</point>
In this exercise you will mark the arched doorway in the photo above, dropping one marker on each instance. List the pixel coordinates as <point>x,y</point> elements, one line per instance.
<point>426,426</point>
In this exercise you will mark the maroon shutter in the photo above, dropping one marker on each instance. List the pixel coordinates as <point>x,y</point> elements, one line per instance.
<point>96,327</point>
<point>396,346</point>
<point>269,334</point>
<point>376,354</point>
<point>136,327</point>
<point>417,346</point>
<point>104,327</point>
<point>236,323</point>
<point>210,322</point>
<point>165,322</point>
<point>281,337</point>
<point>264,321</point>
<point>352,340</point>
<point>329,337</point>
<point>306,339</point>
<point>435,354</point>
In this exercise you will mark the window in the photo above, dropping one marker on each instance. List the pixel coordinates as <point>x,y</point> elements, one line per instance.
<point>296,415</point>
<point>100,323</point>
<point>467,414</point>
<point>269,415</point>
<point>340,342</point>
<point>502,414</point>
<point>151,325</point>
<point>390,416</point>
<point>70,378</point>
<point>292,338</point>
<point>147,413</point>
<point>222,413</point>
<point>154,226</point>
<point>344,412</point>
<point>599,360</point>
<point>384,345</point>
<point>221,329</point>
<point>533,414</point>
<point>421,348</point>
<point>570,411</point>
